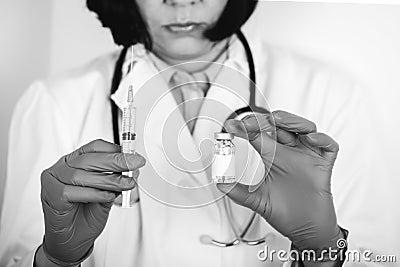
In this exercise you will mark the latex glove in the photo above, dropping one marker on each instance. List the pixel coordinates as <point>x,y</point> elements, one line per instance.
<point>295,195</point>
<point>77,194</point>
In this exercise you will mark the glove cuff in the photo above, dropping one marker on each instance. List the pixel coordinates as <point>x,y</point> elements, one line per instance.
<point>334,258</point>
<point>63,263</point>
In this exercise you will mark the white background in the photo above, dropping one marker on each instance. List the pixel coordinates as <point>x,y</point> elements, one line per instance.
<point>42,37</point>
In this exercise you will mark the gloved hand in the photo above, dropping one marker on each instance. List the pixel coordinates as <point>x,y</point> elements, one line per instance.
<point>295,195</point>
<point>77,194</point>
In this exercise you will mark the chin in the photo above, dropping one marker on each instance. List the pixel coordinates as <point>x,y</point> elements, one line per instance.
<point>186,49</point>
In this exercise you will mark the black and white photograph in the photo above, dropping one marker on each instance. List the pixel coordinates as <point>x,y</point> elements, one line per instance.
<point>221,133</point>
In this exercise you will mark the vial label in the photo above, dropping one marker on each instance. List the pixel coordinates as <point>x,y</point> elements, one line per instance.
<point>223,169</point>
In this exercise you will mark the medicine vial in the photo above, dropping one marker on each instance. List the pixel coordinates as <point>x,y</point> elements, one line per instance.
<point>223,167</point>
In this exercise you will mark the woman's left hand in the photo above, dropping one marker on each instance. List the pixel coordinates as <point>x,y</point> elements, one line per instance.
<point>295,195</point>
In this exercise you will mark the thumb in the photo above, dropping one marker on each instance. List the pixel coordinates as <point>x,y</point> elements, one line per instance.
<point>328,146</point>
<point>255,130</point>
<point>240,194</point>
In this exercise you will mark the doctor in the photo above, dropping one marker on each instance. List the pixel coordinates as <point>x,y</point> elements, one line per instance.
<point>63,162</point>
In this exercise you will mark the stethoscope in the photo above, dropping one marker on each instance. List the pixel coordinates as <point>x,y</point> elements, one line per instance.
<point>251,108</point>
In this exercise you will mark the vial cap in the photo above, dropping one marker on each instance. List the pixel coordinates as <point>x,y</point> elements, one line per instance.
<point>223,136</point>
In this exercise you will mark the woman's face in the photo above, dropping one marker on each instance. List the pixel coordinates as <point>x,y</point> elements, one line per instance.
<point>176,26</point>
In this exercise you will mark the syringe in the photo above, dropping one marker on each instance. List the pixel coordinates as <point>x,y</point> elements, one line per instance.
<point>128,140</point>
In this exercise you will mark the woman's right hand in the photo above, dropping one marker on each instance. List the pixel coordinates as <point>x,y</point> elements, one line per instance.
<point>77,194</point>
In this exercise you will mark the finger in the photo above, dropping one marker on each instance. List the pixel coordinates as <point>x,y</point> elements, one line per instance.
<point>325,143</point>
<point>286,138</point>
<point>240,194</point>
<point>264,122</point>
<point>103,181</point>
<point>250,125</point>
<point>258,122</point>
<point>108,162</point>
<point>292,123</point>
<point>77,194</point>
<point>237,128</point>
<point>94,146</point>
<point>55,194</point>
<point>261,141</point>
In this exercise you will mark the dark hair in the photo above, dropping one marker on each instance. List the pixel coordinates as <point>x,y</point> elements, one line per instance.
<point>127,26</point>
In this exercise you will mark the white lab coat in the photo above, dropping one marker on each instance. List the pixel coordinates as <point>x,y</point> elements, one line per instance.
<point>56,116</point>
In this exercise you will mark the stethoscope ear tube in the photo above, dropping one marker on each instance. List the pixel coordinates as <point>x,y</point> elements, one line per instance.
<point>252,71</point>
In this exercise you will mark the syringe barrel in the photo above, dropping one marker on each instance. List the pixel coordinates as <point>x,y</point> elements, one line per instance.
<point>128,143</point>
<point>128,119</point>
<point>128,147</point>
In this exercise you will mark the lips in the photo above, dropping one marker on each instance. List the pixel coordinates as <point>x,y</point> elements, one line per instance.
<point>183,27</point>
